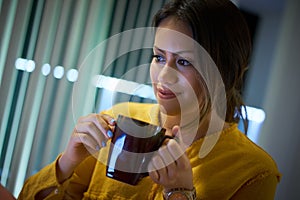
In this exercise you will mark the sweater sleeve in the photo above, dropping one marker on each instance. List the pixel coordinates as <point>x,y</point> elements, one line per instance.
<point>262,188</point>
<point>43,185</point>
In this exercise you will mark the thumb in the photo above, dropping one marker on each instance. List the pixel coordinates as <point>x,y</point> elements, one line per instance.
<point>176,133</point>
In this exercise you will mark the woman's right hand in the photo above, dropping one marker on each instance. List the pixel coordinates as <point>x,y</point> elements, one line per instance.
<point>89,135</point>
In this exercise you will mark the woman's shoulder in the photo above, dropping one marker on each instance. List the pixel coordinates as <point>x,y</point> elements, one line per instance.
<point>253,151</point>
<point>242,156</point>
<point>242,149</point>
<point>236,158</point>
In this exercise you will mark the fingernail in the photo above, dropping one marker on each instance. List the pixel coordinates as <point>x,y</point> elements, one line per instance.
<point>97,148</point>
<point>103,144</point>
<point>109,133</point>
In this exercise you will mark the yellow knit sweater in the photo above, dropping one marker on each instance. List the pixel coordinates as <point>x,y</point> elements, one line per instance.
<point>236,168</point>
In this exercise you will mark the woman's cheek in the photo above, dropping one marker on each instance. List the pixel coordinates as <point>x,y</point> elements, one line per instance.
<point>154,73</point>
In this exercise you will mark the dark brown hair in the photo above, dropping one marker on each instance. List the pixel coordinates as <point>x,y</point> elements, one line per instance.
<point>220,28</point>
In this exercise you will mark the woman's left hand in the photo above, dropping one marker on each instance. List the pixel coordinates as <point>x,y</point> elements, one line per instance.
<point>171,167</point>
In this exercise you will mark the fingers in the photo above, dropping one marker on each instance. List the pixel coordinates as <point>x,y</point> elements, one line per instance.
<point>85,139</point>
<point>175,131</point>
<point>178,154</point>
<point>103,123</point>
<point>168,160</point>
<point>94,130</point>
<point>166,156</point>
<point>90,134</point>
<point>153,173</point>
<point>178,137</point>
<point>171,154</point>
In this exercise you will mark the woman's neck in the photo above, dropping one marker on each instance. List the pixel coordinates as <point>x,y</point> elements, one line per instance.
<point>191,126</point>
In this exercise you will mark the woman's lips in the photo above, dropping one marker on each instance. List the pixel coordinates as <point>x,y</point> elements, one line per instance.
<point>165,93</point>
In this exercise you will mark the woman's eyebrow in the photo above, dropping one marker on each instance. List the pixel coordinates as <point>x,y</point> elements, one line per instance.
<point>176,52</point>
<point>158,49</point>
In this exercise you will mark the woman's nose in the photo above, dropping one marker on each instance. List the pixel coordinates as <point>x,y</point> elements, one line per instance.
<point>168,74</point>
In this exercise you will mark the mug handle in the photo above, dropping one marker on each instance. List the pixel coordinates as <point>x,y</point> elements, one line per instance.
<point>164,138</point>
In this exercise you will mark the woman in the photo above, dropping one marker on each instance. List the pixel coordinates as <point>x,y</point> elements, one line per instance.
<point>233,168</point>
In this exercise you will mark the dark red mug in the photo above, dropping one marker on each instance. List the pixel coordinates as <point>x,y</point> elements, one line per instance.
<point>132,146</point>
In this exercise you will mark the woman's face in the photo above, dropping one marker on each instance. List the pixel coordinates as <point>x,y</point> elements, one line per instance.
<point>176,82</point>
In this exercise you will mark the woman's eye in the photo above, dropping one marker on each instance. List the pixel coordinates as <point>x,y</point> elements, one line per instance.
<point>184,62</point>
<point>158,58</point>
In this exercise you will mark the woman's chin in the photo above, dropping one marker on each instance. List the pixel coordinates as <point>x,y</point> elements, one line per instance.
<point>169,108</point>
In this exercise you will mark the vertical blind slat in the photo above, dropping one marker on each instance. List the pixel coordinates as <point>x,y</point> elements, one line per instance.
<point>38,117</point>
<point>12,80</point>
<point>30,109</point>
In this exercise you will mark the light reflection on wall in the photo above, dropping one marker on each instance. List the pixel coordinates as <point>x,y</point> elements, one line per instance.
<point>58,71</point>
<point>256,117</point>
<point>111,85</point>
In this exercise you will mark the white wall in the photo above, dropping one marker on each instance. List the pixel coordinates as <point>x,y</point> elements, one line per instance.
<point>280,134</point>
<point>264,46</point>
<point>274,85</point>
